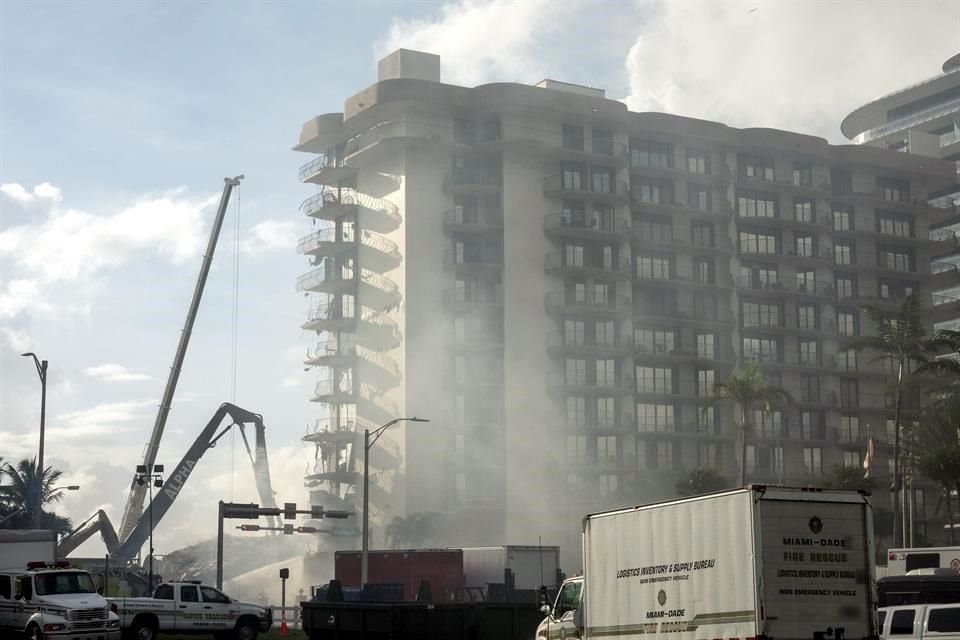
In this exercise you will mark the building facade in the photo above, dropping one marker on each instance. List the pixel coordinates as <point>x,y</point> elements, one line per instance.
<point>557,282</point>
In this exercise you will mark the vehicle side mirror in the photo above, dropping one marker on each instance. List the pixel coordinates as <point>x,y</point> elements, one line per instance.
<point>545,609</point>
<point>543,596</point>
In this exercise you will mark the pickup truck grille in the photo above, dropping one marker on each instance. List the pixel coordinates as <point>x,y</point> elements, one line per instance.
<point>87,614</point>
<point>93,624</point>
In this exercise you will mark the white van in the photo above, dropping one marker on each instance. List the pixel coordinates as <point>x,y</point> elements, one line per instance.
<point>916,622</point>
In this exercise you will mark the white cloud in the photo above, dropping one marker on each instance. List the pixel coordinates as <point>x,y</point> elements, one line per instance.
<point>71,246</point>
<point>104,416</point>
<point>115,373</point>
<point>18,340</point>
<point>271,235</point>
<point>791,65</point>
<point>496,41</point>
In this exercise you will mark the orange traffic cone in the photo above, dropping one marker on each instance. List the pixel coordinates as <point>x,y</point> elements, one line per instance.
<point>283,625</point>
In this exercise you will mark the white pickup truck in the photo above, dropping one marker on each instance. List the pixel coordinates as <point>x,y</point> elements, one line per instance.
<point>190,608</point>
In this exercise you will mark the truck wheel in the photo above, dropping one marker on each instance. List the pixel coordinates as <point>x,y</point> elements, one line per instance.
<point>247,630</point>
<point>34,633</point>
<point>143,629</point>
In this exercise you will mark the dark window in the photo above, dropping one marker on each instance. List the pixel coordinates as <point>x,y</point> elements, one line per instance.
<point>702,235</point>
<point>212,595</point>
<point>569,598</point>
<point>5,587</point>
<point>902,623</point>
<point>189,594</point>
<point>802,175</point>
<point>922,561</point>
<point>651,154</point>
<point>572,137</point>
<point>944,620</point>
<point>603,142</point>
<point>164,592</point>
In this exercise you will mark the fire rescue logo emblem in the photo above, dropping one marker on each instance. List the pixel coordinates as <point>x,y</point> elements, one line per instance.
<point>816,524</point>
<point>662,597</point>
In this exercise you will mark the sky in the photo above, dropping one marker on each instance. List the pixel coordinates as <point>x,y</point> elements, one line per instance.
<point>118,121</point>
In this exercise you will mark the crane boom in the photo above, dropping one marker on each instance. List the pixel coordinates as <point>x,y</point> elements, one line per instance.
<point>134,506</point>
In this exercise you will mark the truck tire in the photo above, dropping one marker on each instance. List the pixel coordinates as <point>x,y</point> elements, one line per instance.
<point>34,633</point>
<point>144,628</point>
<point>247,629</point>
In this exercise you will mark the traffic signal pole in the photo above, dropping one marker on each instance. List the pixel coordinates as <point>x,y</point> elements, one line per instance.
<point>220,546</point>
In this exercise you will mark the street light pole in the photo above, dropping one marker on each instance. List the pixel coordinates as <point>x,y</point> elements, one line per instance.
<point>368,442</point>
<point>152,476</point>
<point>38,499</point>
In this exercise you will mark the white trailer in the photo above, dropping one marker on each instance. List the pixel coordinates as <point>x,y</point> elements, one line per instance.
<point>20,546</point>
<point>790,564</point>
<point>531,566</point>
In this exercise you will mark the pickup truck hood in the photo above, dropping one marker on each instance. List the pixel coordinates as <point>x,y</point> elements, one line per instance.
<point>251,606</point>
<point>75,601</point>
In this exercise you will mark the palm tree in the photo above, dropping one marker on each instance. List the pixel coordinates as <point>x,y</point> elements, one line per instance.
<point>748,389</point>
<point>936,446</point>
<point>20,488</point>
<point>900,336</point>
<point>413,531</point>
<point>701,480</point>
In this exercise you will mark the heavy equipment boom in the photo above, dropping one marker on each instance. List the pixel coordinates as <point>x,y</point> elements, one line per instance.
<point>134,506</point>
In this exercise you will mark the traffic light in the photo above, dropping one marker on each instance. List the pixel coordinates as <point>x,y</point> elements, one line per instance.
<point>245,511</point>
<point>306,529</point>
<point>288,529</point>
<point>249,527</point>
<point>316,511</point>
<point>289,510</point>
<point>337,514</point>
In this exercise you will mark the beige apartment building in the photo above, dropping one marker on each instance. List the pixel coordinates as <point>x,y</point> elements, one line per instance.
<point>556,282</point>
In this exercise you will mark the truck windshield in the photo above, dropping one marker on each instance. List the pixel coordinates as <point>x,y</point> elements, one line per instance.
<point>61,582</point>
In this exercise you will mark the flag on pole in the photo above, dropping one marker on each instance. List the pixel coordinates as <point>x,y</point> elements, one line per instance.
<point>868,458</point>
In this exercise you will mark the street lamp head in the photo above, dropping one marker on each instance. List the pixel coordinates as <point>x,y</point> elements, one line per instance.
<point>29,354</point>
<point>141,468</point>
<point>73,487</point>
<point>416,419</point>
<point>158,468</point>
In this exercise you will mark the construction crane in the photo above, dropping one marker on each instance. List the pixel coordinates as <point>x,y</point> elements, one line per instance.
<point>127,548</point>
<point>134,507</point>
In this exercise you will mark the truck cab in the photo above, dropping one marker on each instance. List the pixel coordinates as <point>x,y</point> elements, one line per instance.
<point>54,601</point>
<point>563,619</point>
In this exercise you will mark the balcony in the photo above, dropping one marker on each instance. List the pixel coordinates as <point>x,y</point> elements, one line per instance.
<point>755,286</point>
<point>607,153</point>
<point>669,207</point>
<point>618,269</point>
<point>372,403</point>
<point>610,306</point>
<point>371,213</point>
<point>390,137</point>
<point>909,203</point>
<point>565,225</point>
<point>682,314</point>
<point>721,244</point>
<point>473,261</point>
<point>616,192</point>
<point>559,343</point>
<point>461,299</point>
<point>473,181</point>
<point>372,249</point>
<point>373,367</point>
<point>621,385</point>
<point>779,361</point>
<point>374,289</point>
<point>644,353</point>
<point>372,328</point>
<point>329,171</point>
<point>673,277</point>
<point>464,221</point>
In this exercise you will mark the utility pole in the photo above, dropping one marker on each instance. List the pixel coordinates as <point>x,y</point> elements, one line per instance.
<point>38,498</point>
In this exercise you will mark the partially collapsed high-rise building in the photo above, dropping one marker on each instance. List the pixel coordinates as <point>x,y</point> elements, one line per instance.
<point>556,282</point>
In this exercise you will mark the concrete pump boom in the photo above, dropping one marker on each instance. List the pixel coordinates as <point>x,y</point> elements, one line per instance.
<point>134,506</point>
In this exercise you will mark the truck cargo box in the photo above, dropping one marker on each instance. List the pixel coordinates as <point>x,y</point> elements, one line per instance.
<point>442,568</point>
<point>530,566</point>
<point>20,546</point>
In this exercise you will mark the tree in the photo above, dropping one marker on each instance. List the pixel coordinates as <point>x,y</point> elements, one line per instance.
<point>847,479</point>
<point>701,480</point>
<point>936,446</point>
<point>17,493</point>
<point>900,336</point>
<point>748,389</point>
<point>413,531</point>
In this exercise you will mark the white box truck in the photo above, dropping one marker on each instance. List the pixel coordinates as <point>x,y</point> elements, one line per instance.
<point>531,566</point>
<point>758,562</point>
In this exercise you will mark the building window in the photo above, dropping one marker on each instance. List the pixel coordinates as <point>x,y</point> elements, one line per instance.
<point>806,282</point>
<point>762,349</point>
<point>572,175</point>
<point>601,180</point>
<point>850,429</point>
<point>811,425</point>
<point>851,459</point>
<point>847,323</point>
<point>576,411</point>
<point>655,340</point>
<point>705,306</point>
<point>758,243</point>
<point>758,314</point>
<point>577,449</point>
<point>573,255</point>
<point>706,345</point>
<point>894,190</point>
<point>652,191</point>
<point>608,485</point>
<point>812,461</point>
<point>654,380</point>
<point>656,231</point>
<point>843,253</point>
<point>602,142</point>
<point>758,276</point>
<point>651,154</point>
<point>849,393</point>
<point>809,388</point>
<point>808,352</point>
<point>847,359</point>
<point>705,381</point>
<point>698,161</point>
<point>655,417</point>
<point>769,424</point>
<point>701,235</point>
<point>576,371</point>
<point>605,333</point>
<point>755,168</point>
<point>756,205</point>
<point>698,197</point>
<point>706,420</point>
<point>895,260</point>
<point>703,270</point>
<point>573,332</point>
<point>606,373</point>
<point>803,210</point>
<point>892,224</point>
<point>572,137</point>
<point>606,413</point>
<point>606,449</point>
<point>842,220</point>
<point>805,246</point>
<point>807,316</point>
<point>665,454</point>
<point>846,286</point>
<point>802,175</point>
<point>650,267</point>
<point>707,455</point>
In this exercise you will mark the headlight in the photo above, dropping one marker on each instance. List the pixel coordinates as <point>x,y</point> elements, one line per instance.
<point>113,624</point>
<point>54,627</point>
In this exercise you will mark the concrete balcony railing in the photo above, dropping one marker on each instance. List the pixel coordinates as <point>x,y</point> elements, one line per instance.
<point>486,258</point>
<point>585,225</point>
<point>461,219</point>
<point>395,131</point>
<point>589,303</point>
<point>621,384</point>
<point>619,267</point>
<point>818,289</point>
<point>615,344</point>
<point>375,213</point>
<point>615,190</point>
<point>333,348</point>
<point>461,296</point>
